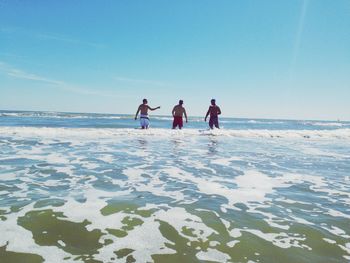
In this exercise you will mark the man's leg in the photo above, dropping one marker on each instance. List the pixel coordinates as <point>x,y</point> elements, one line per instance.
<point>211,123</point>
<point>217,123</point>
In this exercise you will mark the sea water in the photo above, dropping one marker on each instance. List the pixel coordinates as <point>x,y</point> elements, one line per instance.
<point>92,188</point>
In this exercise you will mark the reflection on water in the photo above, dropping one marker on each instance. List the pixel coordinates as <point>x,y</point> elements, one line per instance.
<point>142,143</point>
<point>213,145</point>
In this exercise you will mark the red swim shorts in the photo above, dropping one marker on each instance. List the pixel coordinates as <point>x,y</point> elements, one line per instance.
<point>178,122</point>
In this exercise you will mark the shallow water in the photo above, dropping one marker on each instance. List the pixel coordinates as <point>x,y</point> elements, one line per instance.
<point>100,194</point>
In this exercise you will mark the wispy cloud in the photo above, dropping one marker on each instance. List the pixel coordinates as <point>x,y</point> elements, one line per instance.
<point>49,36</point>
<point>141,81</point>
<point>21,74</point>
<point>67,39</point>
<point>297,42</point>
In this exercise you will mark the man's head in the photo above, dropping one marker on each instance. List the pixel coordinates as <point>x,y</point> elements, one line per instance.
<point>213,102</point>
<point>181,102</point>
<point>144,101</point>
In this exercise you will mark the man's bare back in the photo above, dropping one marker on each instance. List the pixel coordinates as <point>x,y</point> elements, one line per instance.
<point>179,111</point>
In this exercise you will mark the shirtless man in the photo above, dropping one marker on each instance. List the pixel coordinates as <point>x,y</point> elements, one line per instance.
<point>214,112</point>
<point>178,111</point>
<point>144,120</point>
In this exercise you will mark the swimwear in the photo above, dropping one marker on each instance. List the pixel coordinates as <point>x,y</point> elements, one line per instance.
<point>177,122</point>
<point>144,121</point>
<point>214,120</point>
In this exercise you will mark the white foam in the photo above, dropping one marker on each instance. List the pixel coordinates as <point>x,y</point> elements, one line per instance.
<point>336,213</point>
<point>226,223</point>
<point>8,176</point>
<point>60,242</point>
<point>138,181</point>
<point>106,133</point>
<point>107,158</point>
<point>213,255</point>
<point>57,115</point>
<point>318,152</point>
<point>235,233</point>
<point>90,210</point>
<point>20,240</point>
<point>330,241</point>
<point>327,124</point>
<point>232,243</point>
<point>226,161</point>
<point>145,240</point>
<point>214,243</point>
<point>302,221</point>
<point>281,240</point>
<point>346,248</point>
<point>179,218</point>
<point>336,231</point>
<point>252,186</point>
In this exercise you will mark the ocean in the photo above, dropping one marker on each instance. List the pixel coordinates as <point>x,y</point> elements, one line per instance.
<point>81,187</point>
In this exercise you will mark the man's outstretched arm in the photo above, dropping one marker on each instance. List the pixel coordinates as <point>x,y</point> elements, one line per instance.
<point>154,108</point>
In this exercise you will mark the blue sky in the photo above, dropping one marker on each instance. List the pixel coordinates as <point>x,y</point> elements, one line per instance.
<point>259,59</point>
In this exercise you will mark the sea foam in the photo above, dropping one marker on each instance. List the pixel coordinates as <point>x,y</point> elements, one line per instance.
<point>101,133</point>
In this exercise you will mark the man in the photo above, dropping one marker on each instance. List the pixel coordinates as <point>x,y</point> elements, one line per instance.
<point>178,111</point>
<point>214,112</point>
<point>143,108</point>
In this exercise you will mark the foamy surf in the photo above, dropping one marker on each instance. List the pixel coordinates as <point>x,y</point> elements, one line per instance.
<point>110,133</point>
<point>97,194</point>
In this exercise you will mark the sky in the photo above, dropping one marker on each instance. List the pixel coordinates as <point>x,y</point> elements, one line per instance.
<point>258,59</point>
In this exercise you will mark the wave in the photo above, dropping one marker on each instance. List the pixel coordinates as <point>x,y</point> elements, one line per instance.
<point>327,124</point>
<point>60,116</point>
<point>101,133</point>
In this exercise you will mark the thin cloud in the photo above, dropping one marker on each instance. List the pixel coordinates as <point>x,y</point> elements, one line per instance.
<point>49,36</point>
<point>20,74</point>
<point>66,39</point>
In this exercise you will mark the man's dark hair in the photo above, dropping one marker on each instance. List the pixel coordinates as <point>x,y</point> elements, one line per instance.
<point>181,102</point>
<point>144,101</point>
